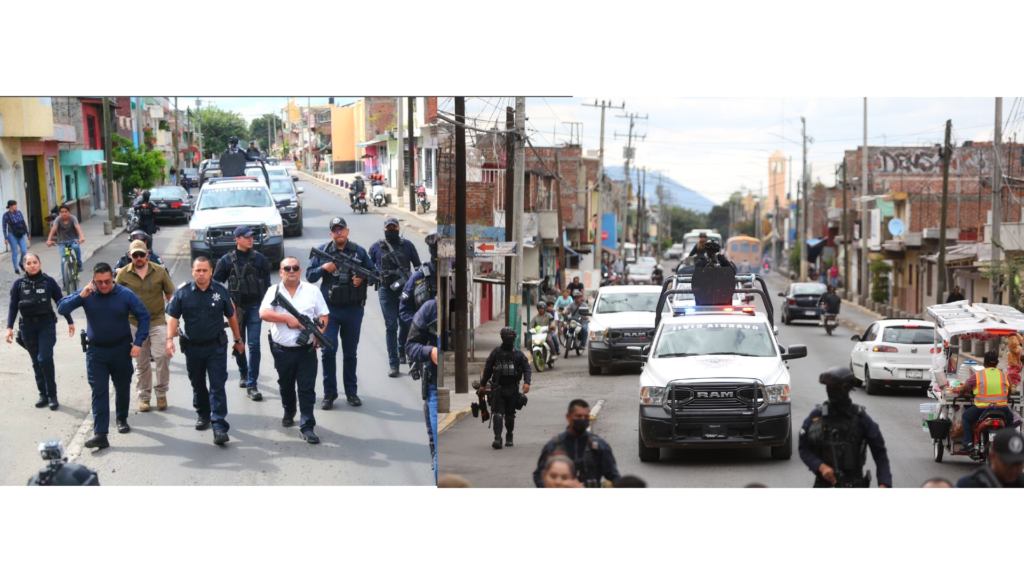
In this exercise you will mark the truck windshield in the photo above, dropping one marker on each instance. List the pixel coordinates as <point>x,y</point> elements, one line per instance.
<point>717,339</point>
<point>613,303</point>
<point>250,197</point>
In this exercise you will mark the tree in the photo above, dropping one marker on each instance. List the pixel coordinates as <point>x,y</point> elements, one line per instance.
<point>744,228</point>
<point>794,257</point>
<point>260,128</point>
<point>142,168</point>
<point>718,219</point>
<point>880,270</point>
<point>219,125</point>
<point>684,220</point>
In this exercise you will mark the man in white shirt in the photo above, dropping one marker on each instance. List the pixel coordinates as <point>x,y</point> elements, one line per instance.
<point>295,362</point>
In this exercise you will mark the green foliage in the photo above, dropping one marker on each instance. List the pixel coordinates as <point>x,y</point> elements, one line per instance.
<point>143,167</point>
<point>828,262</point>
<point>718,219</point>
<point>746,228</point>
<point>683,220</point>
<point>219,125</point>
<point>1008,272</point>
<point>880,270</point>
<point>260,128</point>
<point>794,257</point>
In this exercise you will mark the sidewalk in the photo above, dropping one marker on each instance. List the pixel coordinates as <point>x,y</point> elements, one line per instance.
<point>95,241</point>
<point>426,223</point>
<point>483,339</point>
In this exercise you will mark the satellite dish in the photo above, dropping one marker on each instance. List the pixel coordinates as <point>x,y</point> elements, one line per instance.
<point>896,227</point>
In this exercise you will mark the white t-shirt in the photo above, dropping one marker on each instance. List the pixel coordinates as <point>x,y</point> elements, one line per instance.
<point>307,300</point>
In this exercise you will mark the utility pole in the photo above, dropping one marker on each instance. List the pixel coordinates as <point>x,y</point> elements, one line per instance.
<point>461,261</point>
<point>946,153</point>
<point>865,234</point>
<point>108,170</point>
<point>174,138</point>
<point>412,155</point>
<point>517,209</point>
<point>510,217</point>
<point>558,209</point>
<point>629,156</point>
<point>401,155</point>
<point>199,127</point>
<point>846,237</point>
<point>804,252</point>
<point>599,249</point>
<point>997,207</point>
<point>577,131</point>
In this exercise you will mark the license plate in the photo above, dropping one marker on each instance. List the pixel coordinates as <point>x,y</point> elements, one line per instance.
<point>162,204</point>
<point>715,431</point>
<point>915,373</point>
<point>808,312</point>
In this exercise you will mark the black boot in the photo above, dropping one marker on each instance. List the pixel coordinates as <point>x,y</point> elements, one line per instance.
<point>43,400</point>
<point>329,401</point>
<point>508,439</point>
<point>53,403</point>
<point>255,394</point>
<point>97,441</point>
<point>497,443</point>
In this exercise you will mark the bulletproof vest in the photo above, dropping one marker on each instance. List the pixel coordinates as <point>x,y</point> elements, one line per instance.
<point>387,261</point>
<point>586,465</point>
<point>35,298</point>
<point>341,291</point>
<point>426,288</point>
<point>506,369</point>
<point>146,211</point>
<point>839,440</point>
<point>245,282</point>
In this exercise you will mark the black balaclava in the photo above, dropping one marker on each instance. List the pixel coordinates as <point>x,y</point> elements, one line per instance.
<point>839,396</point>
<point>508,338</point>
<point>391,236</point>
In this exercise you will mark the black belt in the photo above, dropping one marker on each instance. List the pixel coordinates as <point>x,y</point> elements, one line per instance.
<point>38,319</point>
<point>120,342</point>
<point>281,347</point>
<point>202,342</point>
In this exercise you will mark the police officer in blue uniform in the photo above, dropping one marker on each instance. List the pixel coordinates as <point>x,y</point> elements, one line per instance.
<point>345,294</point>
<point>394,258</point>
<point>31,297</point>
<point>246,273</point>
<point>110,346</point>
<point>422,347</point>
<point>836,434</point>
<point>422,286</point>
<point>203,305</point>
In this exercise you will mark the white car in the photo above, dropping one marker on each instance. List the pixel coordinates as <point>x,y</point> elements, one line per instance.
<point>893,353</point>
<point>272,171</point>
<point>226,203</point>
<point>716,377</point>
<point>623,316</point>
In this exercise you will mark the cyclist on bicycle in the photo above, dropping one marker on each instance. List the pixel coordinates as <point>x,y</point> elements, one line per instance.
<point>68,233</point>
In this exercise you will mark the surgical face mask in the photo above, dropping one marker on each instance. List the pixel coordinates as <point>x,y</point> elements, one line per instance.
<point>580,426</point>
<point>391,236</point>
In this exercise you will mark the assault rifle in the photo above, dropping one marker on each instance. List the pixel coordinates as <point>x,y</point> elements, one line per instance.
<point>349,263</point>
<point>403,274</point>
<point>310,328</point>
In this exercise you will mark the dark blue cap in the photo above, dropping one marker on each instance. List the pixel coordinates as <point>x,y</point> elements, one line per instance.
<point>243,231</point>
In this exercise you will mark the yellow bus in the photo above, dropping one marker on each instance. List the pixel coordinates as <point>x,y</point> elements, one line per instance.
<point>740,249</point>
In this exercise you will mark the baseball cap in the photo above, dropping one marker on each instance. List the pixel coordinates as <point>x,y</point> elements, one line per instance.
<point>337,221</point>
<point>243,231</point>
<point>1009,445</point>
<point>137,246</point>
<point>391,220</point>
<point>702,235</point>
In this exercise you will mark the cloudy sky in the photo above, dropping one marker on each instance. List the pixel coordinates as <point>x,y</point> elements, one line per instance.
<point>716,145</point>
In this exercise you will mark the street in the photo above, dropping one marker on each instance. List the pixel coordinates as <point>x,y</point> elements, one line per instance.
<point>466,446</point>
<point>383,442</point>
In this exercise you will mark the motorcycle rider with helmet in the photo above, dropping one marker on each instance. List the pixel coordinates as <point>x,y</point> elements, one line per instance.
<point>545,320</point>
<point>358,187</point>
<point>991,391</point>
<point>507,365</point>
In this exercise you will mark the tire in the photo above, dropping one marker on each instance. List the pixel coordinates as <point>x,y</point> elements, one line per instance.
<point>538,364</point>
<point>785,319</point>
<point>568,346</point>
<point>869,385</point>
<point>594,370</point>
<point>937,450</point>
<point>828,328</point>
<point>647,454</point>
<point>579,350</point>
<point>784,452</point>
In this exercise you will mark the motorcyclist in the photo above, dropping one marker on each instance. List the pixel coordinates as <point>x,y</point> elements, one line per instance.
<point>572,311</point>
<point>1005,464</point>
<point>545,320</point>
<point>991,391</point>
<point>358,187</point>
<point>835,435</point>
<point>554,317</point>
<point>507,365</point>
<point>657,277</point>
<point>147,213</point>
<point>829,302</point>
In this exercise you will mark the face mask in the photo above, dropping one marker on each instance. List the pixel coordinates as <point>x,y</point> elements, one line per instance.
<point>580,426</point>
<point>391,236</point>
<point>838,396</point>
<point>506,344</point>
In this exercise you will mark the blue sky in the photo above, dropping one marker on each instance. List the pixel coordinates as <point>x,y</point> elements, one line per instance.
<point>716,145</point>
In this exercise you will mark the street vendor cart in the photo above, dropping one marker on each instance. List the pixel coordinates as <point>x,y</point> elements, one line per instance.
<point>942,419</point>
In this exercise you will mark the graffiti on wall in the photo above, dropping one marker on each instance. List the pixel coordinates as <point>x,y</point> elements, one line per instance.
<point>966,161</point>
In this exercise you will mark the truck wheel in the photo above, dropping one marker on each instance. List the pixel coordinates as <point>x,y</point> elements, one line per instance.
<point>594,370</point>
<point>937,450</point>
<point>870,386</point>
<point>784,452</point>
<point>647,454</point>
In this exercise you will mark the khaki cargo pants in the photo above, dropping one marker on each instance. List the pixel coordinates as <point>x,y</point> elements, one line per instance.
<point>155,346</point>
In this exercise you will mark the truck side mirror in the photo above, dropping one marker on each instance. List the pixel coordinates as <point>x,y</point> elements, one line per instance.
<point>638,352</point>
<point>795,351</point>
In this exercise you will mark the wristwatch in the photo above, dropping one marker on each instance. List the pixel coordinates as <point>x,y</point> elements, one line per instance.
<point>238,341</point>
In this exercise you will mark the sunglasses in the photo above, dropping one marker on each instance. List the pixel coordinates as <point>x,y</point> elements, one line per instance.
<point>138,255</point>
<point>290,268</point>
<point>103,282</point>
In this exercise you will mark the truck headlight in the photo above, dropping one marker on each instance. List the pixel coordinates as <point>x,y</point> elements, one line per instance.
<point>275,230</point>
<point>598,336</point>
<point>293,204</point>
<point>652,395</point>
<point>777,394</point>
<point>197,234</point>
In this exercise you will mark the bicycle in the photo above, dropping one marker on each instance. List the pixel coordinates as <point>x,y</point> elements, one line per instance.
<point>69,267</point>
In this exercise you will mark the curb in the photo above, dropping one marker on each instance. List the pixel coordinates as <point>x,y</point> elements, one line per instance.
<point>450,419</point>
<point>342,192</point>
<point>86,253</point>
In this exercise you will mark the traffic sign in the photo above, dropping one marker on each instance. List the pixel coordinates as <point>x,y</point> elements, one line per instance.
<point>494,249</point>
<point>604,234</point>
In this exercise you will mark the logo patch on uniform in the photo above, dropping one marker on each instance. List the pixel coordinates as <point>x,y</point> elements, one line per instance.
<point>216,297</point>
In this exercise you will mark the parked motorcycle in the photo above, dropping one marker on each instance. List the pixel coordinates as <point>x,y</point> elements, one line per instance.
<point>377,194</point>
<point>543,356</point>
<point>421,197</point>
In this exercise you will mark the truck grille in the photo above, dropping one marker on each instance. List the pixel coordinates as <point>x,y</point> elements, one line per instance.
<point>717,397</point>
<point>631,335</point>
<point>220,236</point>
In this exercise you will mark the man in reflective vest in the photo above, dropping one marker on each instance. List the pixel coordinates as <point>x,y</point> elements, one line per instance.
<point>991,390</point>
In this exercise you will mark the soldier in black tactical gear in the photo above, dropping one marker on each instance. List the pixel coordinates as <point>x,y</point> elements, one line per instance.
<point>394,258</point>
<point>420,288</point>
<point>835,437</point>
<point>591,455</point>
<point>507,365</point>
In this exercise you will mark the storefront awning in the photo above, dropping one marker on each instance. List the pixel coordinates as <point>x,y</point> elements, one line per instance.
<point>81,157</point>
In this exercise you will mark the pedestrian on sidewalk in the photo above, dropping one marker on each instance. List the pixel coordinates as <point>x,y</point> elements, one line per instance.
<point>955,295</point>
<point>152,284</point>
<point>16,235</point>
<point>833,276</point>
<point>68,233</point>
<point>591,455</point>
<point>507,365</point>
<point>31,296</point>
<point>111,346</point>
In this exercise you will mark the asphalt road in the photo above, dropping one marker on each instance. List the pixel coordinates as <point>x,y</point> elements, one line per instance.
<point>466,449</point>
<point>383,442</point>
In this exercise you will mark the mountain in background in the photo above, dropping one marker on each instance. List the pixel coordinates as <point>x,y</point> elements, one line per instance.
<point>676,193</point>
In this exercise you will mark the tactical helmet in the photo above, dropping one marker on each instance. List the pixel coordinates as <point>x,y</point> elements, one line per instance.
<point>837,376</point>
<point>233,140</point>
<point>521,402</point>
<point>508,335</point>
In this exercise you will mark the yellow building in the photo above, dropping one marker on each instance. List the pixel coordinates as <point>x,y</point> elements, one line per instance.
<point>30,170</point>
<point>776,181</point>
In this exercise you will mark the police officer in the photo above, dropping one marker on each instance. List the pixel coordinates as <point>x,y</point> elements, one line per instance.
<point>126,258</point>
<point>37,330</point>
<point>422,347</point>
<point>1005,464</point>
<point>246,273</point>
<point>833,439</point>
<point>345,294</point>
<point>147,212</point>
<point>203,305</point>
<point>591,454</point>
<point>507,365</point>
<point>392,257</point>
<point>110,346</point>
<point>420,288</point>
<point>294,360</point>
